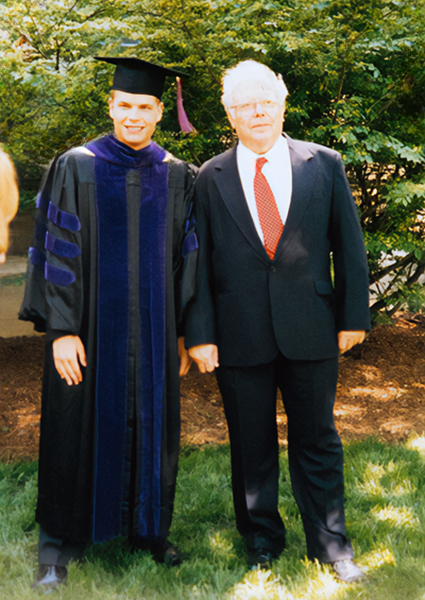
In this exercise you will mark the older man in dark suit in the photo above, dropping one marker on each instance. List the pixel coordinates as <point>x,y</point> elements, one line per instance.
<point>273,214</point>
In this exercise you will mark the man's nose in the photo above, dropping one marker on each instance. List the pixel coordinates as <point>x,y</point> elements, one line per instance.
<point>258,109</point>
<point>135,114</point>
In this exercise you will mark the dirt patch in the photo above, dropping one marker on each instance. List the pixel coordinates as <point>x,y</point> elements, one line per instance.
<point>21,360</point>
<point>381,391</point>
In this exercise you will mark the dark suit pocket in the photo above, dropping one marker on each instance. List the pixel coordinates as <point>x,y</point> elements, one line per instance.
<point>324,288</point>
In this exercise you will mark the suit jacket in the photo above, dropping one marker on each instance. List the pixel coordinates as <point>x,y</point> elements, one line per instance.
<point>317,284</point>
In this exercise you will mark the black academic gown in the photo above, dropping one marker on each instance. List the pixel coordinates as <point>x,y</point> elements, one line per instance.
<point>132,499</point>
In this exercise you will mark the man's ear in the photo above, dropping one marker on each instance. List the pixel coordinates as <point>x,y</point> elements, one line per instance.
<point>110,107</point>
<point>161,111</point>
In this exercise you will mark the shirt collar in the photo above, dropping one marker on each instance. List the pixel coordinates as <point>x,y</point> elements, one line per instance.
<point>271,155</point>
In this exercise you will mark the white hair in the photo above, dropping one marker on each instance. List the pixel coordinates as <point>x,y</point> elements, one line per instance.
<point>251,71</point>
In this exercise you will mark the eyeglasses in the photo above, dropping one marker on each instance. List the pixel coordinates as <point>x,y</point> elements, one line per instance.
<point>248,109</point>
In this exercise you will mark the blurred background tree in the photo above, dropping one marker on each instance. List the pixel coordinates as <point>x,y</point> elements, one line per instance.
<point>354,70</point>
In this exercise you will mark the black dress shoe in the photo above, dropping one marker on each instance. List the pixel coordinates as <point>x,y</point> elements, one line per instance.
<point>347,570</point>
<point>167,553</point>
<point>258,558</point>
<point>50,576</point>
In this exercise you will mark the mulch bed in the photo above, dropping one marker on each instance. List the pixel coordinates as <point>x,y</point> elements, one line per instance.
<point>381,392</point>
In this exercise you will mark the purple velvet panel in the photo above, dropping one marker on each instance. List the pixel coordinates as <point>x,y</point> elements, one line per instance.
<point>42,201</point>
<point>190,244</point>
<point>112,161</point>
<point>190,221</point>
<point>63,219</point>
<point>112,343</point>
<point>58,276</point>
<point>153,217</point>
<point>61,247</point>
<point>36,257</point>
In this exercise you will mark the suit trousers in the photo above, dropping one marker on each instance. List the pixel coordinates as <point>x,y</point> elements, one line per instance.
<point>314,451</point>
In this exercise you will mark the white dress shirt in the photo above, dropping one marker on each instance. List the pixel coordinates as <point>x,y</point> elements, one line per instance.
<point>277,171</point>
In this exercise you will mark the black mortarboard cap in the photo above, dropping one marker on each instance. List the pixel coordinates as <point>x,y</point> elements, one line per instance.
<point>137,76</point>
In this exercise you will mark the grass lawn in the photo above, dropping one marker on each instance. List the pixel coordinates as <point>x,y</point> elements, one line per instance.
<point>385,491</point>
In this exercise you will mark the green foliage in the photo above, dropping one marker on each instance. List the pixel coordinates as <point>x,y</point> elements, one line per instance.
<point>385,509</point>
<point>354,70</point>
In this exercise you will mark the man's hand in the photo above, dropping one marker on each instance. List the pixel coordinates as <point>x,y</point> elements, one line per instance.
<point>68,354</point>
<point>205,356</point>
<point>185,360</point>
<point>348,339</point>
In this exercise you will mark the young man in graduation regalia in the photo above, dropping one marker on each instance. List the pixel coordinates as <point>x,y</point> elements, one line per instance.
<point>110,287</point>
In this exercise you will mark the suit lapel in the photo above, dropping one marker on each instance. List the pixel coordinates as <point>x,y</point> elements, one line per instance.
<point>303,179</point>
<point>230,187</point>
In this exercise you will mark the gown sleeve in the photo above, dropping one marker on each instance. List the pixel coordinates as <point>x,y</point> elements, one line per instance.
<point>200,320</point>
<point>185,244</point>
<point>189,250</point>
<point>33,307</point>
<point>55,265</point>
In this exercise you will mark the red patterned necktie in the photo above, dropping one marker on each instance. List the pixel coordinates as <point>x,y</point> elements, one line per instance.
<point>270,221</point>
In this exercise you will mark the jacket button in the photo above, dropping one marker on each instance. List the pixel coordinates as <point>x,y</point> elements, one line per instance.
<point>272,269</point>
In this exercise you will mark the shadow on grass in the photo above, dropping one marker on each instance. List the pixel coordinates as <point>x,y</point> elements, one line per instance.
<point>385,505</point>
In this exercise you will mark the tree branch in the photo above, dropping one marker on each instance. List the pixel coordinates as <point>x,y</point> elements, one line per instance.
<point>399,293</point>
<point>402,262</point>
